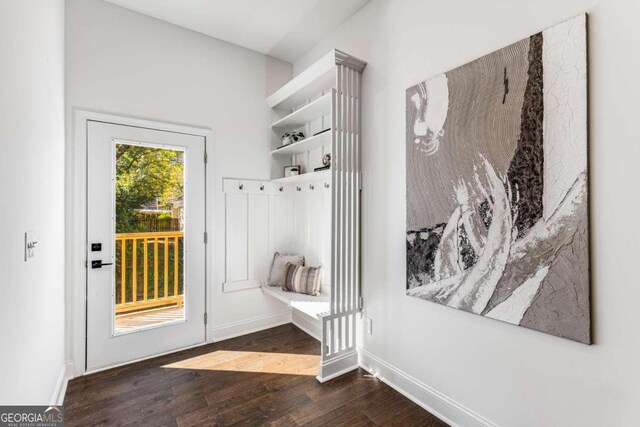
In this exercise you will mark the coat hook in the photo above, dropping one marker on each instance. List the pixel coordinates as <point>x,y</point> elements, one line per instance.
<point>298,188</point>
<point>280,189</point>
<point>240,186</point>
<point>311,187</point>
<point>262,187</point>
<point>326,185</point>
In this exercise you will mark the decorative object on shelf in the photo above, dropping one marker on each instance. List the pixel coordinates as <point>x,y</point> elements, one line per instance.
<point>292,170</point>
<point>326,161</point>
<point>322,131</point>
<point>291,137</point>
<point>497,218</point>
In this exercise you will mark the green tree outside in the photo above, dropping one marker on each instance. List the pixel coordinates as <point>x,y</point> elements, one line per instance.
<point>144,175</point>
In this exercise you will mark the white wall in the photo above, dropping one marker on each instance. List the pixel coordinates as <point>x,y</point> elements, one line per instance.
<point>125,63</point>
<point>32,191</point>
<point>508,375</point>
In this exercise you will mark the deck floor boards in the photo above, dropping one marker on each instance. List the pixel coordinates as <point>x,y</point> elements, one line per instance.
<point>142,319</point>
<point>236,382</point>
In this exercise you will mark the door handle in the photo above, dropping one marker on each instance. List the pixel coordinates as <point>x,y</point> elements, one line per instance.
<point>97,263</point>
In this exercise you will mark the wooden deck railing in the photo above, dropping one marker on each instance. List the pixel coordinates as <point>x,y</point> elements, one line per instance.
<point>149,270</point>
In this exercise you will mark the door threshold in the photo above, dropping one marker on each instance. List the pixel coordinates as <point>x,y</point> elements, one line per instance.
<point>141,359</point>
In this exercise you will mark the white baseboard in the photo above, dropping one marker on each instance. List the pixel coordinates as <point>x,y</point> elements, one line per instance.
<point>248,326</point>
<point>307,324</point>
<point>338,366</point>
<point>448,410</point>
<point>61,385</point>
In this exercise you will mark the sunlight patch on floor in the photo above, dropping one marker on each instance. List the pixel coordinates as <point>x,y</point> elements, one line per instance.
<point>252,361</point>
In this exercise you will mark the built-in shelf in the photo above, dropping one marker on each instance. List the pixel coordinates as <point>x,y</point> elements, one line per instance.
<point>307,144</point>
<point>305,177</point>
<point>319,77</point>
<point>313,110</point>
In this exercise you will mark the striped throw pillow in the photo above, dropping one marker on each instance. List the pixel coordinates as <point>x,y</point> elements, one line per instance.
<point>303,280</point>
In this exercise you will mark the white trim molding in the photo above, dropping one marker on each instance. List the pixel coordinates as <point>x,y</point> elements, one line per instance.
<point>248,326</point>
<point>240,286</point>
<point>338,365</point>
<point>61,386</point>
<point>443,407</point>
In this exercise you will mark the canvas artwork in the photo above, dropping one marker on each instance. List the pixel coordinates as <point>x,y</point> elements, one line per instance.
<point>497,218</point>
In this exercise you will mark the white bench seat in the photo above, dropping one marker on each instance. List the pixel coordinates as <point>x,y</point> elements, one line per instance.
<point>313,306</point>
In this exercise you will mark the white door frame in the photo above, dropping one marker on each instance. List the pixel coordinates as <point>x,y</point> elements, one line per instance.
<point>76,223</point>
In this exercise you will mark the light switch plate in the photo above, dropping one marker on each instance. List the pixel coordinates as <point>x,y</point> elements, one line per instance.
<point>30,243</point>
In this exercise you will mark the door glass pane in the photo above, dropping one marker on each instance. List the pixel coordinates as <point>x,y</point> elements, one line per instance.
<point>149,241</point>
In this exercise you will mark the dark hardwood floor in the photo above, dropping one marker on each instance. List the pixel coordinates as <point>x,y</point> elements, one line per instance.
<point>238,382</point>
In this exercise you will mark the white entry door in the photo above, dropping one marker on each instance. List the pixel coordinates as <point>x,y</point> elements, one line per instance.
<point>145,242</point>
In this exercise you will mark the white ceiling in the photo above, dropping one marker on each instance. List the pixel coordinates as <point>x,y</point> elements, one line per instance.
<point>284,29</point>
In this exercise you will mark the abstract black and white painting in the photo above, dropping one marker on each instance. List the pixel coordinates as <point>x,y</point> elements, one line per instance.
<point>497,216</point>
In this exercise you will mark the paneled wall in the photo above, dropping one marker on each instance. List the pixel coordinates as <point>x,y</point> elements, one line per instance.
<point>262,218</point>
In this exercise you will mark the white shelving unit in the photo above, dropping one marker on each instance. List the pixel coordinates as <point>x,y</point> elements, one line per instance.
<point>305,177</point>
<point>307,101</point>
<point>309,83</point>
<point>325,95</point>
<point>315,109</point>
<point>307,144</point>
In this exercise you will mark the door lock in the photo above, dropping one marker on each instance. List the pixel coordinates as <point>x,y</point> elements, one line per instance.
<point>97,263</point>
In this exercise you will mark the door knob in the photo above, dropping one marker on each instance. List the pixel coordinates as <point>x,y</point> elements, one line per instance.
<point>97,263</point>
